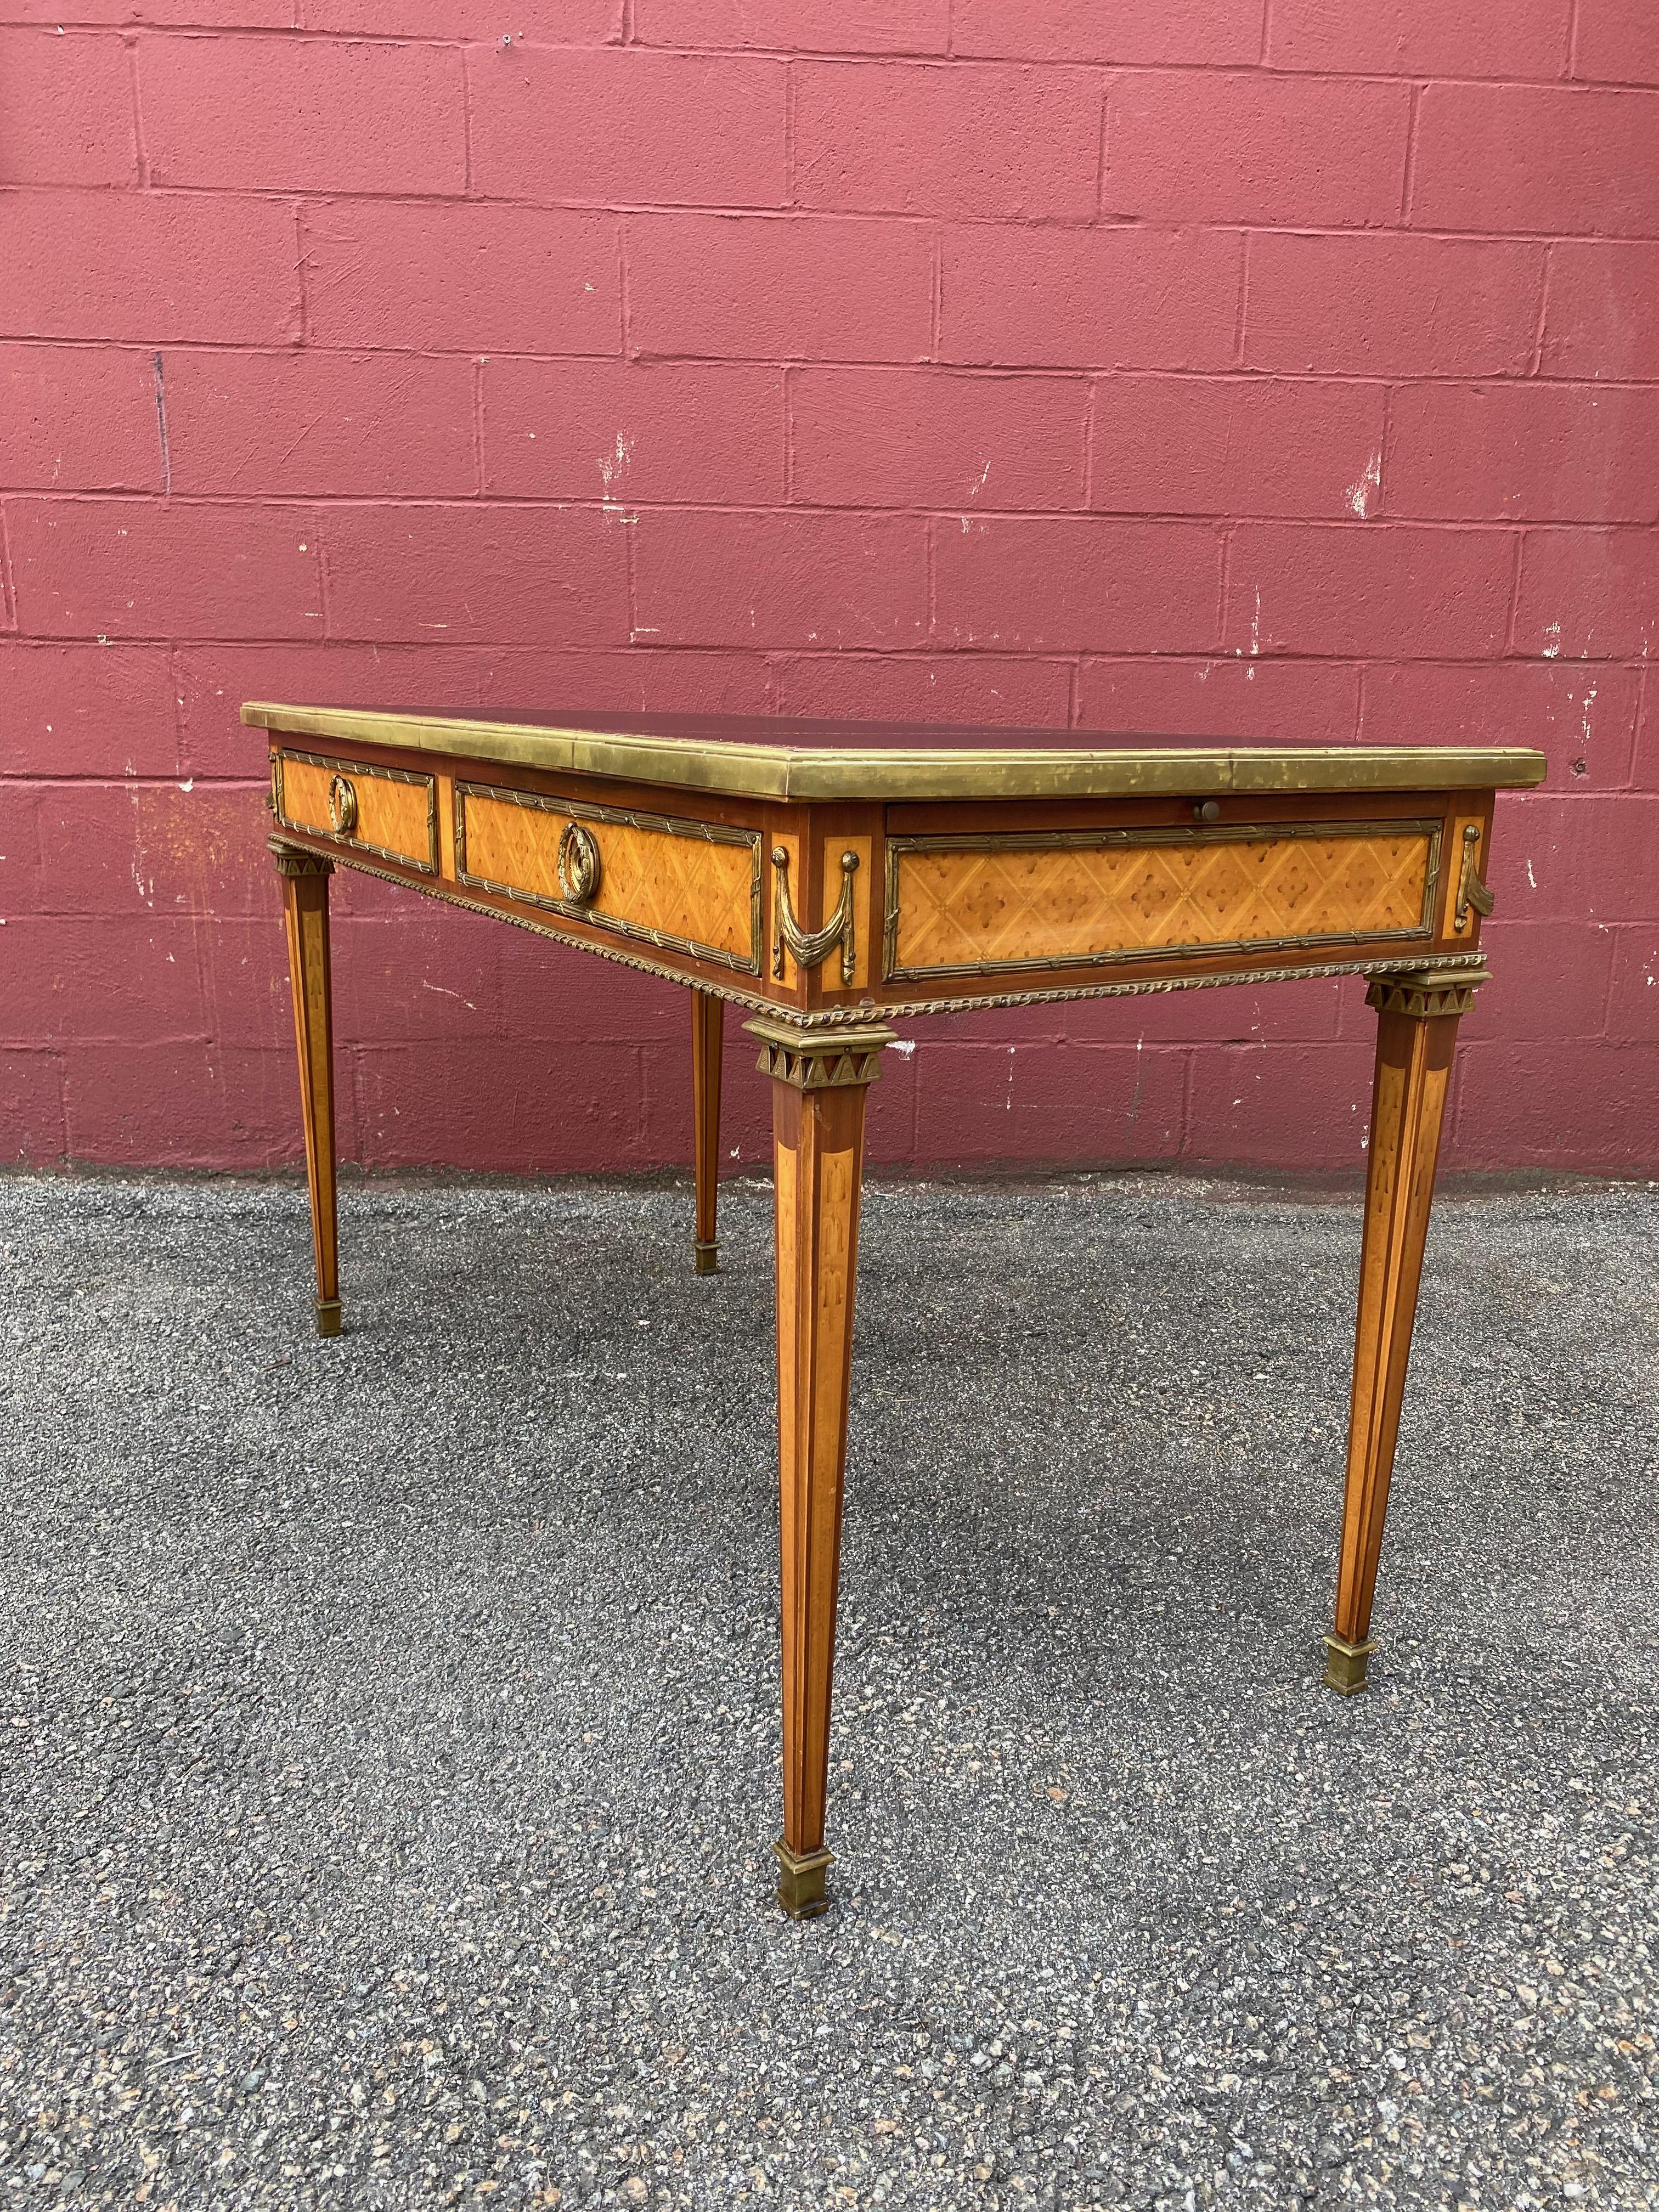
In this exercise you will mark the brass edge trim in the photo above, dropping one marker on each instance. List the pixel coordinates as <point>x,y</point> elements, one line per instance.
<point>346,767</point>
<point>836,1017</point>
<point>712,833</point>
<point>782,771</point>
<point>1431,827</point>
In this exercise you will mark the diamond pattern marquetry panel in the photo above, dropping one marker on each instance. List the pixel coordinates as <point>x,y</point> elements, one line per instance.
<point>667,883</point>
<point>1005,904</point>
<point>395,815</point>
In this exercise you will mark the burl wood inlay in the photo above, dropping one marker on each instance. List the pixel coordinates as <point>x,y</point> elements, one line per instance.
<point>396,813</point>
<point>1006,903</point>
<point>680,884</point>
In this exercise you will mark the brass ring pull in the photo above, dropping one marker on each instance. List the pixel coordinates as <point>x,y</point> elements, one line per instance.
<point>811,948</point>
<point>342,806</point>
<point>578,865</point>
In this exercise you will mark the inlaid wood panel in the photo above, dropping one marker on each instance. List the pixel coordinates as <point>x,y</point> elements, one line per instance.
<point>389,811</point>
<point>690,887</point>
<point>990,904</point>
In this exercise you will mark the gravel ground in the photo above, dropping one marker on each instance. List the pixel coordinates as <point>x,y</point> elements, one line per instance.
<point>390,1752</point>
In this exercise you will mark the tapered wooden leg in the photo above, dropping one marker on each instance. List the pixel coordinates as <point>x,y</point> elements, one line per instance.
<point>1417,1027</point>
<point>707,1039</point>
<point>818,1089</point>
<point>304,899</point>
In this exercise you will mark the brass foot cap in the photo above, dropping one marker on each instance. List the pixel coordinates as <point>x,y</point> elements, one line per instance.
<point>800,1884</point>
<point>328,1316</point>
<point>709,1257</point>
<point>1345,1665</point>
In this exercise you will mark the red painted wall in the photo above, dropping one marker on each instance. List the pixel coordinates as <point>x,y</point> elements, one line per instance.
<point>1277,368</point>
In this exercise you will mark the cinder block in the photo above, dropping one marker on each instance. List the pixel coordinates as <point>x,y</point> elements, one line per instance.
<point>1526,452</point>
<point>958,139</point>
<point>1077,584</point>
<point>1419,38</point>
<point>1368,588</point>
<point>130,978</point>
<point>476,574</point>
<point>918,437</point>
<point>1582,717</point>
<point>1187,146</point>
<point>32,1127</point>
<point>1633,994</point>
<point>209,269</point>
<point>1589,593</point>
<point>775,288</point>
<point>817,27</point>
<point>1211,32</point>
<point>630,127</point>
<point>1233,446</point>
<point>149,568</point>
<point>1305,1107</point>
<point>661,431</point>
<point>783,580</point>
<point>78,418</point>
<point>962,687</point>
<point>1053,1101</point>
<point>65,108</point>
<point>315,115</point>
<point>1601,315</point>
<point>1392,306</point>
<point>86,710</point>
<point>1536,158</point>
<point>1617,41</point>
<point>1314,703</point>
<point>1126,297</point>
<point>341,424</point>
<point>462,276</point>
<point>1544,1104</point>
<point>1578,857</point>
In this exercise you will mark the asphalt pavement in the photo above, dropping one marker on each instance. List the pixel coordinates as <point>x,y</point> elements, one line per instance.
<point>389,1753</point>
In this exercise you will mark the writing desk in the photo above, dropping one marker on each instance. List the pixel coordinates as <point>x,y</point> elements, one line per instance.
<point>830,877</point>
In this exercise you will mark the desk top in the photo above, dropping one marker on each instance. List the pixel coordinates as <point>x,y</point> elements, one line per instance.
<point>772,757</point>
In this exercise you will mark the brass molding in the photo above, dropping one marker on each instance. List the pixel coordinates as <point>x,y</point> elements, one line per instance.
<point>819,1059</point>
<point>578,863</point>
<point>1471,891</point>
<point>811,948</point>
<point>343,824</point>
<point>577,814</point>
<point>831,1020</point>
<point>1428,993</point>
<point>1345,1665</point>
<point>1430,828</point>
<point>800,1881</point>
<point>294,860</point>
<point>753,758</point>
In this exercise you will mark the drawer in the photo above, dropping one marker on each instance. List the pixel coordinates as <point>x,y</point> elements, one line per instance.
<point>390,811</point>
<point>996,904</point>
<point>682,885</point>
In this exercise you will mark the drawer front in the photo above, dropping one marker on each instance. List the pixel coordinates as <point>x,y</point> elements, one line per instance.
<point>684,886</point>
<point>993,905</point>
<point>388,812</point>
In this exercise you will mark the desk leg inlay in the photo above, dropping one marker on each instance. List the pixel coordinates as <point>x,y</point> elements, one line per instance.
<point>708,1039</point>
<point>818,1091</point>
<point>305,903</point>
<point>1417,1027</point>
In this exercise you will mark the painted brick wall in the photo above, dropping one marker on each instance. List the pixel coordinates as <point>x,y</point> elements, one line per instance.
<point>1230,367</point>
